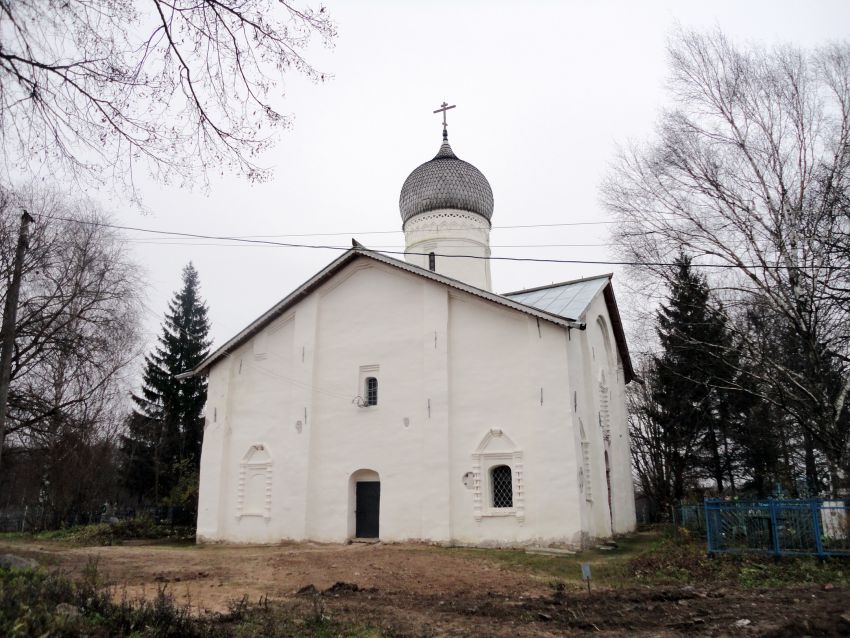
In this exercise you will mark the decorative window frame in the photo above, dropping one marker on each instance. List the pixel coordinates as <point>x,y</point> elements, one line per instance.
<point>585,471</point>
<point>366,372</point>
<point>483,462</point>
<point>604,408</point>
<point>250,466</point>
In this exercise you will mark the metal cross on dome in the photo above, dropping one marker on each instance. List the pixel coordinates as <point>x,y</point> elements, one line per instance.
<point>443,108</point>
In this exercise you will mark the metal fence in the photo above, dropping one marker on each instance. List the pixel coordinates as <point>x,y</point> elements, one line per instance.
<point>691,517</point>
<point>34,519</point>
<point>782,527</point>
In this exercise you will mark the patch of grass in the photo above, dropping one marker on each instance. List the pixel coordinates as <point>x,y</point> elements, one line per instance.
<point>652,557</point>
<point>36,603</point>
<point>608,568</point>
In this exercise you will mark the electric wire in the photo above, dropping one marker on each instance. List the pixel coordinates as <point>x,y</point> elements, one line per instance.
<point>266,242</point>
<point>388,232</point>
<point>165,242</point>
<point>253,365</point>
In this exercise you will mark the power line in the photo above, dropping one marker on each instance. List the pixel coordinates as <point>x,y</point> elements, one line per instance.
<point>388,232</point>
<point>267,242</point>
<point>177,242</point>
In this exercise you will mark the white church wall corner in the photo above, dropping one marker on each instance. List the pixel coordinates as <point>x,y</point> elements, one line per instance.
<point>606,396</point>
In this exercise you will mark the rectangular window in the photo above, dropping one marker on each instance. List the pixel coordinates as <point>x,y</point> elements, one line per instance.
<point>371,391</point>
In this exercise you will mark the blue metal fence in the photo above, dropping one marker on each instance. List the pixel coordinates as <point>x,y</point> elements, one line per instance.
<point>782,527</point>
<point>691,517</point>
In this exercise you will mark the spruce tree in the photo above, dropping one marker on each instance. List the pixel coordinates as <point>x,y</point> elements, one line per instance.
<point>690,373</point>
<point>164,434</point>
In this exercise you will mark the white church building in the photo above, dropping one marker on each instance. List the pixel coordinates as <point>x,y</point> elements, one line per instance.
<point>404,400</point>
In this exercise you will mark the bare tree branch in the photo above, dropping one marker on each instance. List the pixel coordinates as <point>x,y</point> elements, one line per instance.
<point>93,90</point>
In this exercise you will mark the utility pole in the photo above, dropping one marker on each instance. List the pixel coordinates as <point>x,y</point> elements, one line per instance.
<point>7,332</point>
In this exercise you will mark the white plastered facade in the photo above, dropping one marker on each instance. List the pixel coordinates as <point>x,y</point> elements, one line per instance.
<point>450,233</point>
<point>465,384</point>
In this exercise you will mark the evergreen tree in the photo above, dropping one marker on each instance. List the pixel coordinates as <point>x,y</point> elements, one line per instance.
<point>163,442</point>
<point>689,406</point>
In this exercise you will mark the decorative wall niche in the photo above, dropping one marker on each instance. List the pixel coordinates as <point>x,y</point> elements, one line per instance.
<point>254,490</point>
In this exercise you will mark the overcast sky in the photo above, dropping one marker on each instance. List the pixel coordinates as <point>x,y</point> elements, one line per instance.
<point>544,92</point>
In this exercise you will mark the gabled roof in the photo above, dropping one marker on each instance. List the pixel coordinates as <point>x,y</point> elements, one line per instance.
<point>572,299</point>
<point>356,252</point>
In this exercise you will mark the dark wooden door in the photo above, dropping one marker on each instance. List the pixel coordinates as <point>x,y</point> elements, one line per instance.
<point>368,509</point>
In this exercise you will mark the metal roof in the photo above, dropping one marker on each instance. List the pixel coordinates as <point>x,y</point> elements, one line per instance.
<point>445,182</point>
<point>569,299</point>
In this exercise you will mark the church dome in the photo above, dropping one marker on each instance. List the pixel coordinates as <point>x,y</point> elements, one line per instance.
<point>446,182</point>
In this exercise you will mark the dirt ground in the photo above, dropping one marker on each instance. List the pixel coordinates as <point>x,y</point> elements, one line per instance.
<point>420,590</point>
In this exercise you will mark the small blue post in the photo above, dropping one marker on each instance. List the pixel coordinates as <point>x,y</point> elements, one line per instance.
<point>774,527</point>
<point>816,509</point>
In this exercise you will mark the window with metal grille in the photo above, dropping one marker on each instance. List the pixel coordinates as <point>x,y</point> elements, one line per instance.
<point>502,486</point>
<point>371,391</point>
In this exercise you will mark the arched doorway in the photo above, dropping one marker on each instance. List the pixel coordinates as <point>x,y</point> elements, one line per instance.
<point>364,504</point>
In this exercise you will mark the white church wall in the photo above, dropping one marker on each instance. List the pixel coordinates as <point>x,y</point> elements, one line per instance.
<point>211,484</point>
<point>259,395</point>
<point>260,414</point>
<point>605,364</point>
<point>592,357</point>
<point>496,374</point>
<point>302,409</point>
<point>592,511</point>
<point>555,473</point>
<point>435,389</point>
<point>356,328</point>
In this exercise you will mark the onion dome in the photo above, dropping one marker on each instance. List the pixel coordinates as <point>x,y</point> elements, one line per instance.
<point>446,182</point>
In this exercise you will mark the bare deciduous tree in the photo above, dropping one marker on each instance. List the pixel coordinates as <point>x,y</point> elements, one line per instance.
<point>95,89</point>
<point>77,331</point>
<point>748,174</point>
